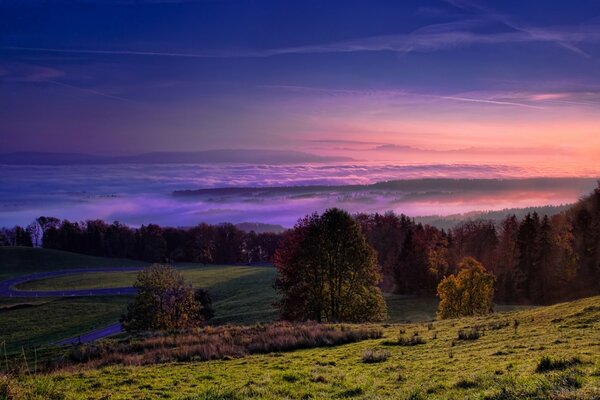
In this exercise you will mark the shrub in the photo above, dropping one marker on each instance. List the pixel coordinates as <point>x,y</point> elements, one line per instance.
<point>412,341</point>
<point>402,340</point>
<point>372,356</point>
<point>469,334</point>
<point>164,302</point>
<point>548,364</point>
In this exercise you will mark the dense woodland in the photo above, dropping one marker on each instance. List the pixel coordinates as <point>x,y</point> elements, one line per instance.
<point>535,259</point>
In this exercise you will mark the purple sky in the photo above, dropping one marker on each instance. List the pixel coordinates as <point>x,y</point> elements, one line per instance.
<point>414,81</point>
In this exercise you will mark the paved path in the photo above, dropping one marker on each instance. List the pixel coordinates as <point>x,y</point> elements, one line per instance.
<point>8,286</point>
<point>93,335</point>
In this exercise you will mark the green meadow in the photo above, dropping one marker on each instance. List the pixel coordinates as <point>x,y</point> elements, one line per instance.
<point>241,295</point>
<point>504,361</point>
<point>500,363</point>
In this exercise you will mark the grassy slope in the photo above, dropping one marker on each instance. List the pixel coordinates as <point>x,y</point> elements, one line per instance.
<point>49,320</point>
<point>240,295</point>
<point>501,364</point>
<point>26,260</point>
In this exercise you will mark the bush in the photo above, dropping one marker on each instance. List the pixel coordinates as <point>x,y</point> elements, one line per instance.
<point>412,341</point>
<point>548,364</point>
<point>164,302</point>
<point>469,334</point>
<point>402,340</point>
<point>372,356</point>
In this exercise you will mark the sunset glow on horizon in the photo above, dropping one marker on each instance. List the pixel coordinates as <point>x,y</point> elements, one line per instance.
<point>213,94</point>
<point>457,81</point>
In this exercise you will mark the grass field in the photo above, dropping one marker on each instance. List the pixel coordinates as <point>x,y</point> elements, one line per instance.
<point>240,294</point>
<point>26,260</point>
<point>37,321</point>
<point>500,364</point>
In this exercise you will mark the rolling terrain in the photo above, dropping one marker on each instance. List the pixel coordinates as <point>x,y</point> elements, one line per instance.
<point>240,294</point>
<point>547,352</point>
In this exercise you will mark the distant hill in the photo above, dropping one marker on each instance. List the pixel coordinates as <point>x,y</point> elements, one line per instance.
<point>244,156</point>
<point>409,188</point>
<point>450,221</point>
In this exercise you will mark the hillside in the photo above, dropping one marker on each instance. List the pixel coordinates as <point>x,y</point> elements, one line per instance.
<point>504,359</point>
<point>27,260</point>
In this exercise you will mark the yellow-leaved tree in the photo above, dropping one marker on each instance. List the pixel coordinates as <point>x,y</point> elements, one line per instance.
<point>470,292</point>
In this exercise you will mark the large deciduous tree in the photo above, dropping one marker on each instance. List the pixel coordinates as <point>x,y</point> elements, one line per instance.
<point>164,302</point>
<point>327,272</point>
<point>470,292</point>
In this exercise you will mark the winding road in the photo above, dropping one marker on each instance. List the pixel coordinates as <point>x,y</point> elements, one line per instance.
<point>8,289</point>
<point>8,286</point>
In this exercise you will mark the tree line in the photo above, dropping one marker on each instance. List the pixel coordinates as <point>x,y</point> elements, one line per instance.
<point>535,259</point>
<point>207,244</point>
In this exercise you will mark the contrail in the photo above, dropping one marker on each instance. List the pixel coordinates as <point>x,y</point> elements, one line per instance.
<point>119,52</point>
<point>91,91</point>
<point>472,100</point>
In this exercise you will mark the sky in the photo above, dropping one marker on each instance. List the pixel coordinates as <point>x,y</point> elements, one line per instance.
<point>455,81</point>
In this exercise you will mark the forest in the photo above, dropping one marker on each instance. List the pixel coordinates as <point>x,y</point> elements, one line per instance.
<point>535,259</point>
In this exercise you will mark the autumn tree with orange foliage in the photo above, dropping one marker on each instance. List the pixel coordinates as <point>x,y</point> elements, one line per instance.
<point>468,293</point>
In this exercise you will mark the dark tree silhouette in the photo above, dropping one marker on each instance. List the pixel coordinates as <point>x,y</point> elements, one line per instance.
<point>328,272</point>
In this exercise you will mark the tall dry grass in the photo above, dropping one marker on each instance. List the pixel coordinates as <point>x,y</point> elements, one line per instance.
<point>223,342</point>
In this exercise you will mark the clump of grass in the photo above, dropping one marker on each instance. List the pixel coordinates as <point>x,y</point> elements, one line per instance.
<point>412,341</point>
<point>415,395</point>
<point>9,389</point>
<point>571,379</point>
<point>223,342</point>
<point>214,394</point>
<point>549,364</point>
<point>291,378</point>
<point>469,334</point>
<point>402,340</point>
<point>373,356</point>
<point>466,383</point>
<point>351,393</point>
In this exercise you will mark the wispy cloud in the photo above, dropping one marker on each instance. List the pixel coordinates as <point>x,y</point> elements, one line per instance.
<point>30,74</point>
<point>487,101</point>
<point>461,33</point>
<point>494,99</point>
<point>89,91</point>
<point>562,38</point>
